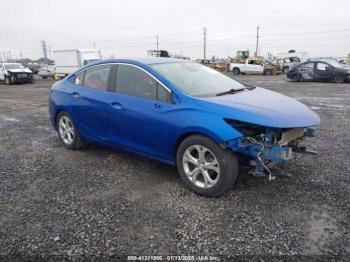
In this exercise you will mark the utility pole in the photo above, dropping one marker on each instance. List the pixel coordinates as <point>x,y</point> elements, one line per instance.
<point>43,44</point>
<point>21,54</point>
<point>257,41</point>
<point>157,44</point>
<point>204,44</point>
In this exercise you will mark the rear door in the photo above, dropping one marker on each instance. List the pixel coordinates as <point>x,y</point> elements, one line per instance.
<point>139,120</point>
<point>92,100</point>
<point>323,71</point>
<point>250,67</point>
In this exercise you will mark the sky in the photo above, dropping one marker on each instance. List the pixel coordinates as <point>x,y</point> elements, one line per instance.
<point>128,28</point>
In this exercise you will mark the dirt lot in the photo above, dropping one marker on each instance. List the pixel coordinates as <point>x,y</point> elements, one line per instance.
<point>100,203</point>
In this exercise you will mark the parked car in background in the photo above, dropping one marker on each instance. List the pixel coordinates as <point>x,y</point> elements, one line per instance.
<point>180,113</point>
<point>15,73</point>
<point>33,67</point>
<point>288,63</point>
<point>253,66</point>
<point>221,65</point>
<point>68,61</point>
<point>47,71</point>
<point>330,71</point>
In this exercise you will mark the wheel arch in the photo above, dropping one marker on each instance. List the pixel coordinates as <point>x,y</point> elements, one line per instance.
<point>198,131</point>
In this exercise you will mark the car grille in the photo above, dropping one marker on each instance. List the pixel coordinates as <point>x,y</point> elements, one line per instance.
<point>21,75</point>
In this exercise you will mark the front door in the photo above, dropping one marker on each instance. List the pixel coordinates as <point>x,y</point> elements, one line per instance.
<point>323,71</point>
<point>139,120</point>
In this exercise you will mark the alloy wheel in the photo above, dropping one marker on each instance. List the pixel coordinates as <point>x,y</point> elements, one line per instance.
<point>201,166</point>
<point>66,130</point>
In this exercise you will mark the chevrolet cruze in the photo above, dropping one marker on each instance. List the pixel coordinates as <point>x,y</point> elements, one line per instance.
<point>181,113</point>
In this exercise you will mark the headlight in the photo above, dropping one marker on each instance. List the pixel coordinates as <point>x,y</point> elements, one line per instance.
<point>245,128</point>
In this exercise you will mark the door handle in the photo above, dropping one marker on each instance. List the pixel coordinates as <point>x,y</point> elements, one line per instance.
<point>76,94</point>
<point>116,105</point>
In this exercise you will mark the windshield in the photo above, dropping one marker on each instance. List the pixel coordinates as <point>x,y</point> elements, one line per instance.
<point>14,66</point>
<point>197,80</point>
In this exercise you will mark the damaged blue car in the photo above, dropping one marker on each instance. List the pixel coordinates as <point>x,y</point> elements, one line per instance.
<point>181,113</point>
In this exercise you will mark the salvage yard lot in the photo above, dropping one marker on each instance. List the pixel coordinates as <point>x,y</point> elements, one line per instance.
<point>96,202</point>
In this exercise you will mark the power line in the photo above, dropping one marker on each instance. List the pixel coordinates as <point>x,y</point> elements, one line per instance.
<point>43,44</point>
<point>257,41</point>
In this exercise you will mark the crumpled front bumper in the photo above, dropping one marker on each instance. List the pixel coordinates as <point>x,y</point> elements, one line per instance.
<point>263,153</point>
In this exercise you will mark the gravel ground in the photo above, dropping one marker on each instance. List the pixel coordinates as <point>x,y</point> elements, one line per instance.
<point>57,204</point>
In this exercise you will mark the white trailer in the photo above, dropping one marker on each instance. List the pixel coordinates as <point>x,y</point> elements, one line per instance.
<point>68,61</point>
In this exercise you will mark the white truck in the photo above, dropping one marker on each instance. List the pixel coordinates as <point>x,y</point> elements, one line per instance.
<point>251,66</point>
<point>68,61</point>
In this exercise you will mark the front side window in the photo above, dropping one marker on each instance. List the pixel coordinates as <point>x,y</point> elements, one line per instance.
<point>133,81</point>
<point>197,80</point>
<point>97,77</point>
<point>295,59</point>
<point>322,66</point>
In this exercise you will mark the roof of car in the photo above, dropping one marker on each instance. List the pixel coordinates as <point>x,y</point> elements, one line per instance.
<point>147,60</point>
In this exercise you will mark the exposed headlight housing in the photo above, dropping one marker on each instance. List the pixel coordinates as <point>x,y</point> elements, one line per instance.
<point>245,128</point>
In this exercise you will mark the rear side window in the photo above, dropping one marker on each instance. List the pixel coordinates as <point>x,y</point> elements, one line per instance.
<point>133,81</point>
<point>307,65</point>
<point>79,78</point>
<point>97,77</point>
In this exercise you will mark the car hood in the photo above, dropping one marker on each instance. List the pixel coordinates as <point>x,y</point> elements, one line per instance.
<point>262,107</point>
<point>24,70</point>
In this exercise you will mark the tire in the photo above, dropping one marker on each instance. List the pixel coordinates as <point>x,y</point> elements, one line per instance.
<point>339,78</point>
<point>236,71</point>
<point>8,80</point>
<point>69,139</point>
<point>221,166</point>
<point>285,70</point>
<point>296,78</point>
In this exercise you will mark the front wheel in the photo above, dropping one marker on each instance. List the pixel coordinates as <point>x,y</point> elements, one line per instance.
<point>339,78</point>
<point>8,80</point>
<point>205,167</point>
<point>285,70</point>
<point>236,71</point>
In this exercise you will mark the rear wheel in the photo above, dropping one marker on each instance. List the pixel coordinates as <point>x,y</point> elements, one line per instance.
<point>67,131</point>
<point>206,168</point>
<point>236,71</point>
<point>339,78</point>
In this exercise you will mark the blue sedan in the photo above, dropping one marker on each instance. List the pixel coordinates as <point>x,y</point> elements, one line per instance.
<point>181,113</point>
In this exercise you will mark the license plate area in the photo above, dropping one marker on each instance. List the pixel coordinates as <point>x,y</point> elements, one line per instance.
<point>22,75</point>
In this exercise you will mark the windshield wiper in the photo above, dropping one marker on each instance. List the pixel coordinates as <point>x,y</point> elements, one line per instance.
<point>234,91</point>
<point>249,87</point>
